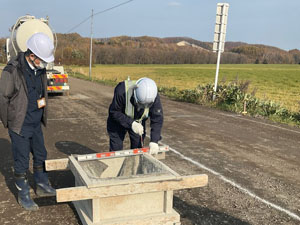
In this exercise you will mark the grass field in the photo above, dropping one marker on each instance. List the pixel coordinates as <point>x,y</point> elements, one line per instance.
<point>280,83</point>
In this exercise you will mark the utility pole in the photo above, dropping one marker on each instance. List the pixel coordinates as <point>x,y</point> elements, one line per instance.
<point>91,48</point>
<point>219,37</point>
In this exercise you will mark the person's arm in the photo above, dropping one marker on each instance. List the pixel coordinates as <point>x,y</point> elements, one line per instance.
<point>6,92</point>
<point>156,120</point>
<point>117,107</point>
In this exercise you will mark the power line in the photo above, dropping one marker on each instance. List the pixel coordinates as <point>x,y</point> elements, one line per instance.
<point>103,11</point>
<point>113,7</point>
<point>73,28</point>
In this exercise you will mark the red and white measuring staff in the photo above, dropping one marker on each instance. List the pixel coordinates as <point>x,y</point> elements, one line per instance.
<point>136,151</point>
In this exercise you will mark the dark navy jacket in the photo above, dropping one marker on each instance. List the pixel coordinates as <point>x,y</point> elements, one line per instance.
<point>35,91</point>
<point>118,117</point>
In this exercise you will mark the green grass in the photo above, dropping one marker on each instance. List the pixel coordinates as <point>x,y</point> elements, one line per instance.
<point>280,82</point>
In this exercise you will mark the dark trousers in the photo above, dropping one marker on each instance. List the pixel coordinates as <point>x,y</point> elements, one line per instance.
<point>30,140</point>
<point>116,137</point>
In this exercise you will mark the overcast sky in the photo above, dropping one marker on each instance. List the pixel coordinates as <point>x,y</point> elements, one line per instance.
<point>269,22</point>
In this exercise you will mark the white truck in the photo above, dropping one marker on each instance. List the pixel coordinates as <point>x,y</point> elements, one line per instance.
<point>20,32</point>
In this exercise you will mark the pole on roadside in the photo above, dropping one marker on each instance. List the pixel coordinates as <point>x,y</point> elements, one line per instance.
<point>219,37</point>
<point>91,47</point>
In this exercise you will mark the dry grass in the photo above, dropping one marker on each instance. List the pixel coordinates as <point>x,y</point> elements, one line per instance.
<point>280,83</point>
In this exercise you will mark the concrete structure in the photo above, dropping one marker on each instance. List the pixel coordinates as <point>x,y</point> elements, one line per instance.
<point>127,190</point>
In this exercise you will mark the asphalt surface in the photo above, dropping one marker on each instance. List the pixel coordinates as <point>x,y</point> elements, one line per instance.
<point>252,164</point>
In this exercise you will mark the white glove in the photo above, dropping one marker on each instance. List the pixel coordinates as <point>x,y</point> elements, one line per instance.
<point>153,148</point>
<point>137,128</point>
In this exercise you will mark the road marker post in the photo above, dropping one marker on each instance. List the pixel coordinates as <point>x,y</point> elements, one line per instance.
<point>219,37</point>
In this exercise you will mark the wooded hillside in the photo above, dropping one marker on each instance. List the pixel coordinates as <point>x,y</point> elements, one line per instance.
<point>74,49</point>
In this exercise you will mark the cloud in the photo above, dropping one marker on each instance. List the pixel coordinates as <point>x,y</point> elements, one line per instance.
<point>174,4</point>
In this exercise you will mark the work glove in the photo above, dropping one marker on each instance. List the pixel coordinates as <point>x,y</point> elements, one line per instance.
<point>137,128</point>
<point>153,148</point>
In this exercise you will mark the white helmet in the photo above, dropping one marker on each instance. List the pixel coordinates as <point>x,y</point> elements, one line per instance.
<point>146,91</point>
<point>42,46</point>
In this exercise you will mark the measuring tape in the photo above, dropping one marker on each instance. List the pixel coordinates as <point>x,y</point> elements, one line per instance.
<point>103,155</point>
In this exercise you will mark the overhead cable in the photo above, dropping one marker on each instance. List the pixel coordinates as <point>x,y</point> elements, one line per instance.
<point>103,11</point>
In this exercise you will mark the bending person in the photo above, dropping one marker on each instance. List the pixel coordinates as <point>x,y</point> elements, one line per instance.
<point>133,103</point>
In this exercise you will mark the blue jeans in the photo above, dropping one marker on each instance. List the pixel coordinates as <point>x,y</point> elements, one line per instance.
<point>30,140</point>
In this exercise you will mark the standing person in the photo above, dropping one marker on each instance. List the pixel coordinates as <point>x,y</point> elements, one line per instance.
<point>23,107</point>
<point>132,104</point>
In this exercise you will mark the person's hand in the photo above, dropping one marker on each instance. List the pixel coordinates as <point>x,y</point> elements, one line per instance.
<point>137,128</point>
<point>153,148</point>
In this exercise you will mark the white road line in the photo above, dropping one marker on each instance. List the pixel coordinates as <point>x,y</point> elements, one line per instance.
<point>291,214</point>
<point>266,124</point>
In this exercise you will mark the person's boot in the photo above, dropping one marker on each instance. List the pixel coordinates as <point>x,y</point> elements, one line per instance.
<point>43,187</point>
<point>24,198</point>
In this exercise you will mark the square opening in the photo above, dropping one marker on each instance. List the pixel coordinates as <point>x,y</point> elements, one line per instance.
<point>123,167</point>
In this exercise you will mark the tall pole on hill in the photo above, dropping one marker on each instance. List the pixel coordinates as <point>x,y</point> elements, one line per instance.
<point>219,37</point>
<point>91,48</point>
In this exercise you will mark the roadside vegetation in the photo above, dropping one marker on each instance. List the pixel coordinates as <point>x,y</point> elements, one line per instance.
<point>233,97</point>
<point>269,91</point>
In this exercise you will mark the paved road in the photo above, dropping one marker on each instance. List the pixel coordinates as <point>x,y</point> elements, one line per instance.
<point>252,164</point>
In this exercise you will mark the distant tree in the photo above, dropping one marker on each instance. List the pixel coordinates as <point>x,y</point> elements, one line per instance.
<point>76,54</point>
<point>296,55</point>
<point>3,50</point>
<point>74,49</point>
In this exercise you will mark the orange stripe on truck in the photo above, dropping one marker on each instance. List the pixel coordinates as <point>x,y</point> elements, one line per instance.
<point>60,76</point>
<point>54,88</point>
